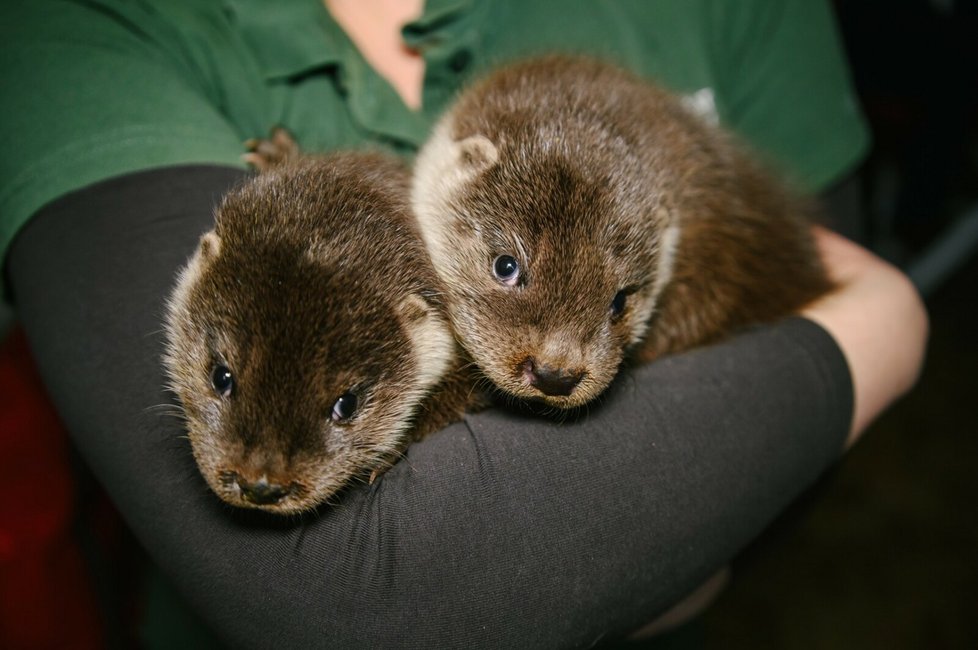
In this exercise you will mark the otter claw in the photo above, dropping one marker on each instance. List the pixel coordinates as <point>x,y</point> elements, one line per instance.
<point>265,153</point>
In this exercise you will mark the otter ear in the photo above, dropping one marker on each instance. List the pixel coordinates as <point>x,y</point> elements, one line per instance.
<point>445,165</point>
<point>206,254</point>
<point>414,309</point>
<point>210,247</point>
<point>433,343</point>
<point>477,153</point>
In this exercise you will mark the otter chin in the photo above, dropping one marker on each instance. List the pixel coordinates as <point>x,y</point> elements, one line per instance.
<point>581,217</point>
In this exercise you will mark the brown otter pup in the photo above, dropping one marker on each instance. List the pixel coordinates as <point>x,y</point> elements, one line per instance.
<point>578,214</point>
<point>306,340</point>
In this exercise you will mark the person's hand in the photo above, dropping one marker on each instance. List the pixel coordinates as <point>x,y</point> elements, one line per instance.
<point>879,321</point>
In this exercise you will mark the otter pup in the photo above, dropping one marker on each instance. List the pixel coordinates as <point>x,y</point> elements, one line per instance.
<point>305,337</point>
<point>578,214</point>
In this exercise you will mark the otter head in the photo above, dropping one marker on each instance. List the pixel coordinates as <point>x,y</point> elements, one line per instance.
<point>302,335</point>
<point>552,265</point>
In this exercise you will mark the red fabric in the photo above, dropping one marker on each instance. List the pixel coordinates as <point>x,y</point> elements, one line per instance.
<point>46,596</point>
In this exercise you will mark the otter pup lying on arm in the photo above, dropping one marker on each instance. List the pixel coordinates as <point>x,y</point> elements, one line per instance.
<point>306,340</point>
<point>579,215</point>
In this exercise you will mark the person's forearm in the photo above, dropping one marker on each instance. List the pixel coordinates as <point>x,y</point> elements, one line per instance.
<point>878,319</point>
<point>875,315</point>
<point>502,531</point>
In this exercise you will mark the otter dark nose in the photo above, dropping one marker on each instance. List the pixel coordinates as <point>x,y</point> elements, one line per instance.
<point>261,492</point>
<point>551,381</point>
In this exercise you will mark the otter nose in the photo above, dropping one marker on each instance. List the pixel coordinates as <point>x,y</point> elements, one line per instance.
<point>261,492</point>
<point>551,381</point>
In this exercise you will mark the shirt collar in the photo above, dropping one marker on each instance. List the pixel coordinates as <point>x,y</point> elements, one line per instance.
<point>292,37</point>
<point>439,20</point>
<point>289,37</point>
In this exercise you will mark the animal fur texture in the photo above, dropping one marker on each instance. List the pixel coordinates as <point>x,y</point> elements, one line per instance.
<point>579,216</point>
<point>306,339</point>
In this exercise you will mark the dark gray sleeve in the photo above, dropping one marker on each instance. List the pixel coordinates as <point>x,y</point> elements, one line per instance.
<point>497,532</point>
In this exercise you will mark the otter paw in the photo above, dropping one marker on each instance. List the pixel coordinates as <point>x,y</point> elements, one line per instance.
<point>277,149</point>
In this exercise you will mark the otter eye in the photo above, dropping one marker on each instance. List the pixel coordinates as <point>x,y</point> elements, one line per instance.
<point>222,380</point>
<point>345,407</point>
<point>506,269</point>
<point>618,304</point>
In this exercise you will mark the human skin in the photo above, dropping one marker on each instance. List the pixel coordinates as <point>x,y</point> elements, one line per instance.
<point>877,318</point>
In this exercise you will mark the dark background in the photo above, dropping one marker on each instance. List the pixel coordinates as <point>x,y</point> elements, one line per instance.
<point>884,553</point>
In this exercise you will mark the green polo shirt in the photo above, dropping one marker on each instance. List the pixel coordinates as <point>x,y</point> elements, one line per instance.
<point>97,88</point>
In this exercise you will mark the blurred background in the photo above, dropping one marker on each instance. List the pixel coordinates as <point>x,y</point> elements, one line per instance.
<point>883,553</point>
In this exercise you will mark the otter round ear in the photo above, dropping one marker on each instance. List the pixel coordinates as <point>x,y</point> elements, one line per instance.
<point>210,246</point>
<point>477,153</point>
<point>431,335</point>
<point>206,254</point>
<point>414,309</point>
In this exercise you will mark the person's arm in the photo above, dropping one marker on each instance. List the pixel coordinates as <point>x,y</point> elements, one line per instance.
<point>498,531</point>
<point>885,355</point>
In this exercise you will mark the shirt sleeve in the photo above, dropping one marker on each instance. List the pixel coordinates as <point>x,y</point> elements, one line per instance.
<point>500,531</point>
<point>783,84</point>
<point>93,90</point>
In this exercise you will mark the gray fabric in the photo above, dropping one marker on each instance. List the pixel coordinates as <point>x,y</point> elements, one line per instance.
<point>502,531</point>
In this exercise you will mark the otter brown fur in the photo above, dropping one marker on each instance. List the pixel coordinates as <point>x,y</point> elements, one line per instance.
<point>578,214</point>
<point>306,337</point>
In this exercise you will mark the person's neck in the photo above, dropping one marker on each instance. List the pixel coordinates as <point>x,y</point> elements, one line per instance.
<point>375,26</point>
